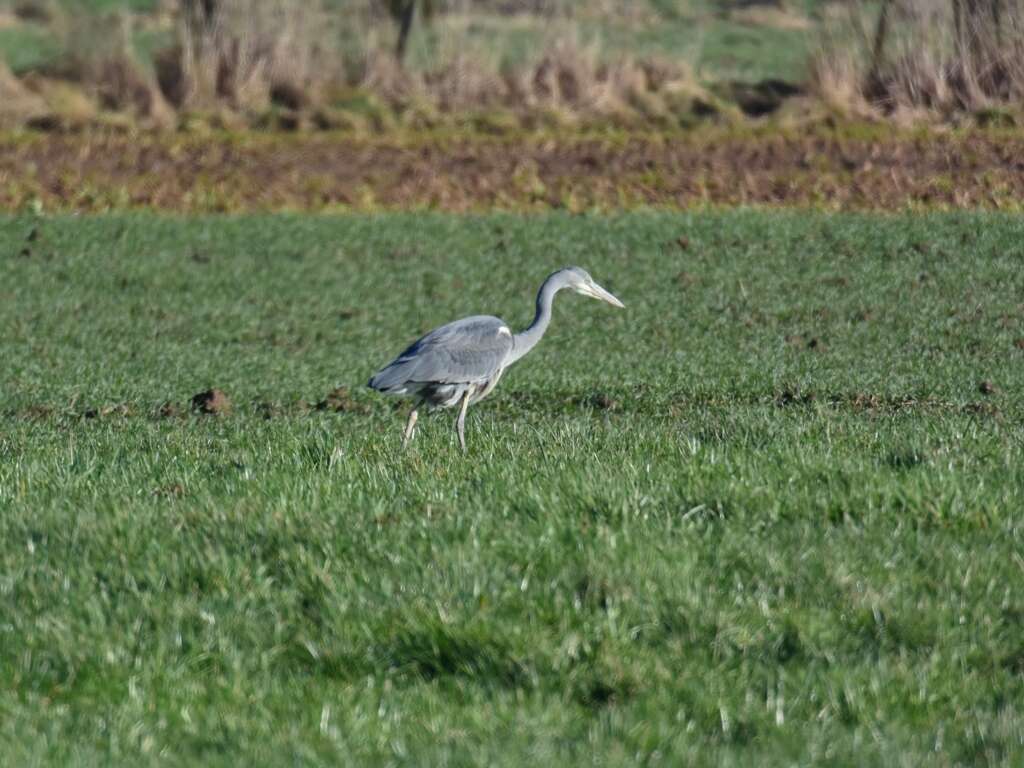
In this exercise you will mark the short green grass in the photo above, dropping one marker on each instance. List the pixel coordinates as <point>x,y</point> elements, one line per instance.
<point>28,46</point>
<point>717,47</point>
<point>764,516</point>
<point>714,43</point>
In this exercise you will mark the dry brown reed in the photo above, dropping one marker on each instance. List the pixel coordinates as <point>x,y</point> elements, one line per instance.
<point>246,54</point>
<point>18,104</point>
<point>565,81</point>
<point>932,59</point>
<point>282,64</point>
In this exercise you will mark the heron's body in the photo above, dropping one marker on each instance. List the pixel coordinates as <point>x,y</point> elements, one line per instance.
<point>460,363</point>
<point>439,372</point>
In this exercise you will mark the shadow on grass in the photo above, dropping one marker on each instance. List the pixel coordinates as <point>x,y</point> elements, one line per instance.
<point>429,651</point>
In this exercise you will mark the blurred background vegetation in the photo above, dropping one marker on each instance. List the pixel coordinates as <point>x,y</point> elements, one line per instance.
<point>499,65</point>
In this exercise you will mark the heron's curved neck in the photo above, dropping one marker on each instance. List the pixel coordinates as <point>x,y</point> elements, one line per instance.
<point>528,339</point>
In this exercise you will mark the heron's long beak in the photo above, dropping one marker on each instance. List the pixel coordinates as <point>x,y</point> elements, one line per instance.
<point>596,291</point>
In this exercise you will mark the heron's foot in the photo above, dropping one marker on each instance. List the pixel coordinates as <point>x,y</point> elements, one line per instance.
<point>410,428</point>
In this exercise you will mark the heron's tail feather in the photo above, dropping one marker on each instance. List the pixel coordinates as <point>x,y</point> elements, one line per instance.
<point>392,380</point>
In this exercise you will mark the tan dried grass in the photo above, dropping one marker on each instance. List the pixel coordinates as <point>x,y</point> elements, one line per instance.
<point>568,83</point>
<point>66,106</point>
<point>923,63</point>
<point>248,54</point>
<point>770,16</point>
<point>241,62</point>
<point>99,61</point>
<point>18,105</point>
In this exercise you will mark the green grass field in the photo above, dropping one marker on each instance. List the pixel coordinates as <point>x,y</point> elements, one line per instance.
<point>768,515</point>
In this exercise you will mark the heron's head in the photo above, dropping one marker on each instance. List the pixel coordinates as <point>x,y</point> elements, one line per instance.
<point>579,280</point>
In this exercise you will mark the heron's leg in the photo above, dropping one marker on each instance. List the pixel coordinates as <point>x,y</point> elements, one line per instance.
<point>410,426</point>
<point>460,424</point>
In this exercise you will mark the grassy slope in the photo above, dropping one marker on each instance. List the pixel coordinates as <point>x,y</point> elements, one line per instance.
<point>761,547</point>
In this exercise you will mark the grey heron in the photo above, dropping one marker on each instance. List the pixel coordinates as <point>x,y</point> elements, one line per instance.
<point>461,362</point>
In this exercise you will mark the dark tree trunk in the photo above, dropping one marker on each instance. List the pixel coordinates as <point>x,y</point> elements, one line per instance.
<point>958,24</point>
<point>202,12</point>
<point>878,47</point>
<point>408,12</point>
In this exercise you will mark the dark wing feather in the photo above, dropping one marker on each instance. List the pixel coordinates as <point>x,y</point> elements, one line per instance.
<point>468,351</point>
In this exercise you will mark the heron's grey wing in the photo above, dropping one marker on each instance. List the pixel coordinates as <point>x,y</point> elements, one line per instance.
<point>467,351</point>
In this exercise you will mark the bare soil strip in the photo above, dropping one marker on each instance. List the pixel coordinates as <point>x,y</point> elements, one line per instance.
<point>820,168</point>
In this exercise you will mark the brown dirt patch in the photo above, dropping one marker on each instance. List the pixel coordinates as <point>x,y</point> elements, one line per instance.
<point>172,491</point>
<point>170,410</point>
<point>825,169</point>
<point>686,279</point>
<point>340,400</point>
<point>211,402</point>
<point>103,411</point>
<point>788,397</point>
<point>32,10</point>
<point>35,412</point>
<point>599,401</point>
